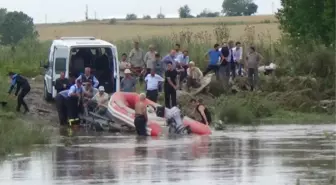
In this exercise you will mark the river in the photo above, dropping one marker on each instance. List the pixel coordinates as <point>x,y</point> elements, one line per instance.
<point>264,155</point>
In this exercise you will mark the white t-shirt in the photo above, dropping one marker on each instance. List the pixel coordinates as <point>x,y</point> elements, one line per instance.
<point>101,98</point>
<point>152,82</point>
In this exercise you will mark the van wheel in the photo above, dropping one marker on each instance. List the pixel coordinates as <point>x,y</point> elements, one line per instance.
<point>47,96</point>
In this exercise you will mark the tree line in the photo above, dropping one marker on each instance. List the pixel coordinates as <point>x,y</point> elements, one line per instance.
<point>229,8</point>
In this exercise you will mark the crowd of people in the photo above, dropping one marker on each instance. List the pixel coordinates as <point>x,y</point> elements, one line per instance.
<point>159,75</point>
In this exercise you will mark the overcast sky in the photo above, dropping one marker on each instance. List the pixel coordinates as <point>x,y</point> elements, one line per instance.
<point>73,10</point>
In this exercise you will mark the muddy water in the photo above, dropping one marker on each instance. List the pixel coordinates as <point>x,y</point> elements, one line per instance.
<point>262,155</point>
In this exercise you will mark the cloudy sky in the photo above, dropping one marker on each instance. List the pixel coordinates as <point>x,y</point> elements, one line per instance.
<point>73,10</point>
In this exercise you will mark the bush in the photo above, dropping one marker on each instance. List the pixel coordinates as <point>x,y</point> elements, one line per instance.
<point>113,21</point>
<point>244,108</point>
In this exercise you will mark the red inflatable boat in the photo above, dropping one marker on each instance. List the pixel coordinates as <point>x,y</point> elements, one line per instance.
<point>121,106</point>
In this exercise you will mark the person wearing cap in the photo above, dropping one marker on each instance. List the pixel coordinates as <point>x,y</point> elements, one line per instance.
<point>75,94</point>
<point>152,85</point>
<point>101,98</point>
<point>22,84</point>
<point>194,76</point>
<point>150,59</point>
<point>128,83</point>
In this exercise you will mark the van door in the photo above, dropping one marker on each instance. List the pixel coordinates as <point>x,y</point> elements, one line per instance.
<point>60,64</point>
<point>116,70</point>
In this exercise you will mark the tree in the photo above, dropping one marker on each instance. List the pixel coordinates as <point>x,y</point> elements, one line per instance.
<point>308,20</point>
<point>207,13</point>
<point>146,17</point>
<point>3,12</point>
<point>160,16</point>
<point>250,9</point>
<point>15,27</point>
<point>184,12</point>
<point>239,7</point>
<point>131,16</point>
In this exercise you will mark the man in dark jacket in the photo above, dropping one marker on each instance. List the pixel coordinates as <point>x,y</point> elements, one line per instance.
<point>22,84</point>
<point>62,83</point>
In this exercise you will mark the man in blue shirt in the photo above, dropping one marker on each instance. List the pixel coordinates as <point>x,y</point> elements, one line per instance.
<point>183,61</point>
<point>214,55</point>
<point>61,107</point>
<point>22,84</point>
<point>75,94</point>
<point>170,58</point>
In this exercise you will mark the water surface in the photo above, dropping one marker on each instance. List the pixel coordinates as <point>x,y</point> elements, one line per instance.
<point>265,155</point>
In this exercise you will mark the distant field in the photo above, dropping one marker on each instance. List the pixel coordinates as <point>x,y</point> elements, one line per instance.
<point>156,27</point>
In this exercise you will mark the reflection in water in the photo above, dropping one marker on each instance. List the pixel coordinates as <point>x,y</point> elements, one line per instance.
<point>264,156</point>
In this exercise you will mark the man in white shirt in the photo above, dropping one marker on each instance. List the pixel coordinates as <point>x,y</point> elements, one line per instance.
<point>152,85</point>
<point>101,98</point>
<point>238,57</point>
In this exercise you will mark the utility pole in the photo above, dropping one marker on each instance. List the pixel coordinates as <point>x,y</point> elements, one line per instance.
<point>46,18</point>
<point>87,13</point>
<point>272,7</point>
<point>95,15</point>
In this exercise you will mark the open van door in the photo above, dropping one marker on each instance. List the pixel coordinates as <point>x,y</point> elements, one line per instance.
<point>60,64</point>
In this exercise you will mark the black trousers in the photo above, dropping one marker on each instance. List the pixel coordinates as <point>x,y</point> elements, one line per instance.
<point>61,109</point>
<point>213,68</point>
<point>73,110</point>
<point>20,99</point>
<point>140,124</point>
<point>152,95</point>
<point>170,97</point>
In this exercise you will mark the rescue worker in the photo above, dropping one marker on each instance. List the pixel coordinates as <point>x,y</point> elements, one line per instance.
<point>62,83</point>
<point>87,76</point>
<point>75,95</point>
<point>61,107</point>
<point>140,120</point>
<point>202,110</point>
<point>21,84</point>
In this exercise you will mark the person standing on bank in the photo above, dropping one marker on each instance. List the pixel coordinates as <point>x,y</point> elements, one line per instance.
<point>87,76</point>
<point>124,64</point>
<point>62,83</point>
<point>75,94</point>
<point>170,86</point>
<point>213,55</point>
<point>21,84</point>
<point>149,59</point>
<point>152,85</point>
<point>252,63</point>
<point>136,58</point>
<point>128,83</point>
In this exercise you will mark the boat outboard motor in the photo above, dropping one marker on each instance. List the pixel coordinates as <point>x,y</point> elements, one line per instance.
<point>175,123</point>
<point>160,111</point>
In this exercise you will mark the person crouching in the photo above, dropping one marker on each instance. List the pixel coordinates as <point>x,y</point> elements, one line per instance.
<point>140,120</point>
<point>75,95</point>
<point>61,107</point>
<point>194,76</point>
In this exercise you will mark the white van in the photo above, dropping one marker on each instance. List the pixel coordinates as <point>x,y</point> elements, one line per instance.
<point>72,54</point>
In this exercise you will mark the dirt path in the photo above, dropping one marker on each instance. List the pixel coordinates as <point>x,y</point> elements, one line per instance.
<point>39,108</point>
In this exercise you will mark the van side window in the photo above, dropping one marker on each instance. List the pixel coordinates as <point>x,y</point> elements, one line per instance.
<point>60,65</point>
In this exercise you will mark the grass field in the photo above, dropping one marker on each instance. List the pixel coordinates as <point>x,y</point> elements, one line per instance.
<point>126,30</point>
